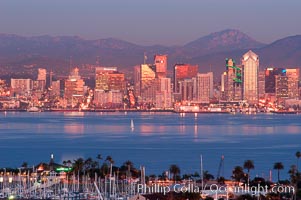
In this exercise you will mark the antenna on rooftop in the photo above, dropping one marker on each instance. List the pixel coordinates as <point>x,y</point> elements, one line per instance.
<point>70,64</point>
<point>144,58</point>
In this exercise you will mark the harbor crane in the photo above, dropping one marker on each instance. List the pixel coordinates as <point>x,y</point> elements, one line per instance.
<point>220,171</point>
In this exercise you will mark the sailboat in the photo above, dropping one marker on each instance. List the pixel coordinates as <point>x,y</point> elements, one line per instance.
<point>132,124</point>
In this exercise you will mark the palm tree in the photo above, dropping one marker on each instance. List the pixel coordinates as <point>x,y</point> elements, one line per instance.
<point>196,175</point>
<point>278,166</point>
<point>129,165</point>
<point>249,164</point>
<point>69,163</point>
<point>78,165</point>
<point>294,174</point>
<point>207,176</point>
<point>88,165</point>
<point>111,162</point>
<point>187,176</point>
<point>109,159</point>
<point>175,170</point>
<point>238,173</point>
<point>294,177</point>
<point>298,155</point>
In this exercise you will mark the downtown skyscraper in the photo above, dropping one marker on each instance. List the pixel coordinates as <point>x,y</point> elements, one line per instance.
<point>232,81</point>
<point>250,66</point>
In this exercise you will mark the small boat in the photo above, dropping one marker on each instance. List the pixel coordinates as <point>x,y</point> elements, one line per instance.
<point>33,109</point>
<point>132,124</point>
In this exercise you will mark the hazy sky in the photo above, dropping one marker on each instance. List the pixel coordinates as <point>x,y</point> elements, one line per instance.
<point>165,22</point>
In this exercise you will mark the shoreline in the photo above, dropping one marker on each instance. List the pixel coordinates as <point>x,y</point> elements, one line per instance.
<point>149,111</point>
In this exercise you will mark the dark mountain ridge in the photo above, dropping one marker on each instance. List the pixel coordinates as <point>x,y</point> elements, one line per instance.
<point>208,52</point>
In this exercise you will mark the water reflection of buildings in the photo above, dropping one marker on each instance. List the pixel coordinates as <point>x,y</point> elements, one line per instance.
<point>74,128</point>
<point>74,114</point>
<point>196,134</point>
<point>151,129</point>
<point>146,130</point>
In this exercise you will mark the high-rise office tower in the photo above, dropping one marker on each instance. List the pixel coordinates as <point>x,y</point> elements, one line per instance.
<point>204,87</point>
<point>293,76</point>
<point>233,81</point>
<point>281,86</point>
<point>250,64</point>
<point>161,65</point>
<point>163,95</point>
<point>137,80</point>
<point>109,86</point>
<point>222,95</point>
<point>108,78</point>
<point>74,88</point>
<point>42,74</point>
<point>21,86</point>
<point>102,77</point>
<point>261,84</point>
<point>182,72</point>
<point>148,83</point>
<point>270,78</point>
<point>40,84</point>
<point>187,88</point>
<point>55,88</point>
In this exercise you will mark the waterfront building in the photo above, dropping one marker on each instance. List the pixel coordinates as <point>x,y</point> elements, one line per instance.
<point>293,76</point>
<point>21,87</point>
<point>108,99</point>
<point>182,72</point>
<point>160,62</point>
<point>204,87</point>
<point>164,94</point>
<point>250,66</point>
<point>74,88</point>
<point>233,81</point>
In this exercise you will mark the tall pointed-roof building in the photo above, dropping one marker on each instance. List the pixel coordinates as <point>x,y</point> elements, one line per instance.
<point>250,64</point>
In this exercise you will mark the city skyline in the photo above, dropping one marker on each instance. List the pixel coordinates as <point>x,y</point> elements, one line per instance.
<point>152,88</point>
<point>148,23</point>
<point>181,88</point>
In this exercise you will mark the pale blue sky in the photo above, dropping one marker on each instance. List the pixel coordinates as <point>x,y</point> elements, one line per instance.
<point>165,22</point>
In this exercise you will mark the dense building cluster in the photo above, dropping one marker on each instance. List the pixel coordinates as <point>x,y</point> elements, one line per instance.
<point>241,83</point>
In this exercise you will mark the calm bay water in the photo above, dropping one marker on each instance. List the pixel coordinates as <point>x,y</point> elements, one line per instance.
<point>157,141</point>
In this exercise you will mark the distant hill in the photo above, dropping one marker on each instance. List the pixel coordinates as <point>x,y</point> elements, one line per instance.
<point>222,41</point>
<point>285,52</point>
<point>208,52</point>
